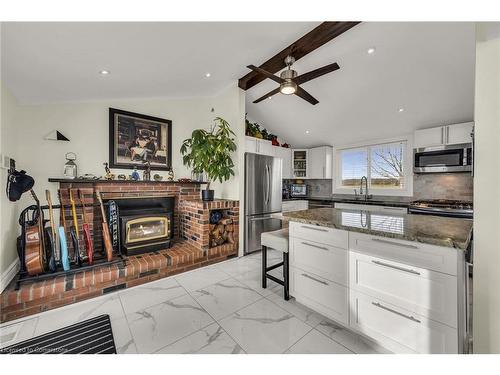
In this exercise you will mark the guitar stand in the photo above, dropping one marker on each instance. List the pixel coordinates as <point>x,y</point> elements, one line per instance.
<point>23,277</point>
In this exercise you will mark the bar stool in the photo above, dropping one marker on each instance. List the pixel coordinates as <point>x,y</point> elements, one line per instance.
<point>277,240</point>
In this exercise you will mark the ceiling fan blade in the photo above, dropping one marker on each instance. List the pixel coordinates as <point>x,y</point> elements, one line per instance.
<point>269,94</point>
<point>316,73</point>
<point>306,96</point>
<point>266,73</point>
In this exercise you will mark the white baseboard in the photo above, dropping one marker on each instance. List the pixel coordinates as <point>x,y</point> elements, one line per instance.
<point>9,274</point>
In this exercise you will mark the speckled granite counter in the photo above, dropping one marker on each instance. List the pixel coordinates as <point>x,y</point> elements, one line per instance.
<point>434,230</point>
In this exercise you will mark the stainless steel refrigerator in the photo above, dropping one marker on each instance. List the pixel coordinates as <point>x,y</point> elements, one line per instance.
<point>262,197</point>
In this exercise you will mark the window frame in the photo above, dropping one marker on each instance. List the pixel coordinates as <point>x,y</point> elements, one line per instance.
<point>407,191</point>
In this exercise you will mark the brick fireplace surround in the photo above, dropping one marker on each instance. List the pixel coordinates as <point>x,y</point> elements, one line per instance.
<point>191,248</point>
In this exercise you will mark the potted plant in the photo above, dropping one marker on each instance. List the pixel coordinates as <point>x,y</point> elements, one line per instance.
<point>210,152</point>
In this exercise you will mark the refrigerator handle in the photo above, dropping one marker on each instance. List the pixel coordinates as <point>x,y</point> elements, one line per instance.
<point>268,187</point>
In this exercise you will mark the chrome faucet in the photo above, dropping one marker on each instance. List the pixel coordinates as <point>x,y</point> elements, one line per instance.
<point>367,196</point>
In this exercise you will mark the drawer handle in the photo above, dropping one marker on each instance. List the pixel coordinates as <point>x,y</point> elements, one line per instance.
<point>396,312</point>
<point>318,229</point>
<point>394,243</point>
<point>316,246</point>
<point>315,279</point>
<point>396,267</point>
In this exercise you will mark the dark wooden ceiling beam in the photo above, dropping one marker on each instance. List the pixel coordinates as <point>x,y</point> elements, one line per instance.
<point>312,40</point>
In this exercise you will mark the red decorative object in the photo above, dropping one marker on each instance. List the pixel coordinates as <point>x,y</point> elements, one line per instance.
<point>275,142</point>
<point>285,145</point>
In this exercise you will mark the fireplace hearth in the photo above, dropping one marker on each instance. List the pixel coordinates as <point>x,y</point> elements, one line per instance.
<point>145,224</point>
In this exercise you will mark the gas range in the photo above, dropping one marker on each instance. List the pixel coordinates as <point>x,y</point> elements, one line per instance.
<point>443,207</point>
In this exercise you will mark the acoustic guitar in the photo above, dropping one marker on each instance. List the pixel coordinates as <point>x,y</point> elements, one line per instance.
<point>86,230</point>
<point>34,242</point>
<point>62,237</point>
<point>105,230</point>
<point>74,231</point>
<point>50,233</point>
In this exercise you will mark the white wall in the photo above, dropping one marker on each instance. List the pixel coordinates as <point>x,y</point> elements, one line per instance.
<point>9,210</point>
<point>86,125</point>
<point>486,323</point>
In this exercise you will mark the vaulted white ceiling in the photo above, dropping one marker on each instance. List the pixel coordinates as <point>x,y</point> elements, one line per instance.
<point>425,68</point>
<point>52,62</point>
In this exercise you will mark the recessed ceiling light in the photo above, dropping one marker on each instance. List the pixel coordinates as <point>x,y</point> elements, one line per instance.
<point>401,110</point>
<point>269,97</point>
<point>104,72</point>
<point>207,75</point>
<point>371,50</point>
<point>307,131</point>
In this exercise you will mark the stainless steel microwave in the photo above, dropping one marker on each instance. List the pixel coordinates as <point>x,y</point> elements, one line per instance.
<point>442,159</point>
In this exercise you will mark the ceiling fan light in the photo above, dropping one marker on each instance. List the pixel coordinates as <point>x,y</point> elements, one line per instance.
<point>288,88</point>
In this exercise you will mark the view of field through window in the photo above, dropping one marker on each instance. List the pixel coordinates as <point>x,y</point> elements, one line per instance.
<point>385,164</point>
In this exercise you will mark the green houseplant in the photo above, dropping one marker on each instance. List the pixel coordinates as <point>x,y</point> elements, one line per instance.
<point>210,152</point>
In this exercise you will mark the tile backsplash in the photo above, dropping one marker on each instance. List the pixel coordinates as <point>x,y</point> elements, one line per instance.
<point>425,186</point>
<point>457,186</point>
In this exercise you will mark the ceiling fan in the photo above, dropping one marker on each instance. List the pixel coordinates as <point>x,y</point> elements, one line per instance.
<point>290,82</point>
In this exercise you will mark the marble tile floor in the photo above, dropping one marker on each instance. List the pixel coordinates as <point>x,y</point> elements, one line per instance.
<point>220,309</point>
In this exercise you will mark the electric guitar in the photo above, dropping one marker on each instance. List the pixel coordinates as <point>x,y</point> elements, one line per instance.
<point>86,230</point>
<point>50,232</point>
<point>74,230</point>
<point>34,242</point>
<point>105,230</point>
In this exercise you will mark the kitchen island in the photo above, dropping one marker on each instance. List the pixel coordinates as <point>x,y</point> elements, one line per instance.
<point>398,279</point>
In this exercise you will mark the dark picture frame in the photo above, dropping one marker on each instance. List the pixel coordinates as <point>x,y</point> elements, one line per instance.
<point>135,139</point>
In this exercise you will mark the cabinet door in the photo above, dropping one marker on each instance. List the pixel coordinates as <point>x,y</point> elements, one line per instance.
<point>459,133</point>
<point>265,147</point>
<point>251,145</point>
<point>316,162</point>
<point>326,297</point>
<point>400,330</point>
<point>300,164</point>
<point>286,155</point>
<point>430,137</point>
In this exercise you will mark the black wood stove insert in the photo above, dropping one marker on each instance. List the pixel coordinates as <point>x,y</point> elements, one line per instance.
<point>145,224</point>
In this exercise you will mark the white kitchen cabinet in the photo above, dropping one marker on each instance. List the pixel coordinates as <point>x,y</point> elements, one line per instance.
<point>435,258</point>
<point>294,205</point>
<point>286,155</point>
<point>371,208</point>
<point>319,162</point>
<point>324,296</point>
<point>258,146</point>
<point>327,261</point>
<point>428,293</point>
<point>459,133</point>
<point>429,137</point>
<point>329,236</point>
<point>443,135</point>
<point>398,329</point>
<point>299,163</point>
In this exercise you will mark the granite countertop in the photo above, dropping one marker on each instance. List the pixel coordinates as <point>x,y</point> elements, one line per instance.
<point>373,201</point>
<point>434,230</point>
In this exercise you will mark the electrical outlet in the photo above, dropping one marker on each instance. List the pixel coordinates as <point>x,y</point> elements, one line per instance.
<point>6,161</point>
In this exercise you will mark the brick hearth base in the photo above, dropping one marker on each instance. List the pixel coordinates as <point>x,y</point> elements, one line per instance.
<point>41,296</point>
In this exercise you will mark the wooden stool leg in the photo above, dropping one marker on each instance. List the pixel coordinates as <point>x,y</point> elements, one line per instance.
<point>264,267</point>
<point>286,277</point>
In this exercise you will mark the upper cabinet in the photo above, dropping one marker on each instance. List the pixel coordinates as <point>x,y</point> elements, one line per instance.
<point>444,135</point>
<point>320,161</point>
<point>286,155</point>
<point>299,163</point>
<point>459,133</point>
<point>258,146</point>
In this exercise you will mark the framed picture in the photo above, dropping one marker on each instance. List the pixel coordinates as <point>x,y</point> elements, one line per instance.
<point>136,139</point>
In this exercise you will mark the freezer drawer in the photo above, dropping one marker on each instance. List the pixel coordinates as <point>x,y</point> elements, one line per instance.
<point>254,227</point>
